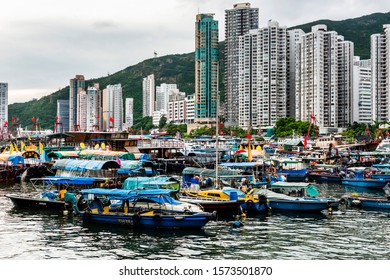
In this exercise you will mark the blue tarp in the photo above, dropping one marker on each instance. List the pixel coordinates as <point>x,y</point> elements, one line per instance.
<point>16,159</point>
<point>71,180</point>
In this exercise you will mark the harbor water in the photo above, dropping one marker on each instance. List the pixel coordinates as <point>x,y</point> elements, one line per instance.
<point>346,234</point>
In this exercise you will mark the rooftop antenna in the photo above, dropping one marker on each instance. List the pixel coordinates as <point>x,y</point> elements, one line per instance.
<point>155,54</point>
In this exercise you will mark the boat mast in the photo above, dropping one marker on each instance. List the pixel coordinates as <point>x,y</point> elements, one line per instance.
<point>216,132</point>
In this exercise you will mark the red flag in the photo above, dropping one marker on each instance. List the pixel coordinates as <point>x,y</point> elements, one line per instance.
<point>12,119</point>
<point>33,119</point>
<point>57,118</point>
<point>387,133</point>
<point>232,133</point>
<point>111,119</point>
<point>305,141</point>
<point>248,135</point>
<point>6,123</point>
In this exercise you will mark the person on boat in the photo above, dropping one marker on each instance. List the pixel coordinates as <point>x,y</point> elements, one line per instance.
<point>62,192</point>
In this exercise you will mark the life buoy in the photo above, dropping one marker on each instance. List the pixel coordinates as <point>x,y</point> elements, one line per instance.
<point>271,170</point>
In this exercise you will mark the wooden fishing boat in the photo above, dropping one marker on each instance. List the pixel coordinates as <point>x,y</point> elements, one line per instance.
<point>296,196</point>
<point>94,206</point>
<point>375,202</point>
<point>37,202</point>
<point>362,181</point>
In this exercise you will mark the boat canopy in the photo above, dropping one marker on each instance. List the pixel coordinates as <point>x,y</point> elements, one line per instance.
<point>84,165</point>
<point>126,194</point>
<point>63,154</point>
<point>103,154</point>
<point>57,180</point>
<point>209,172</point>
<point>137,166</point>
<point>163,182</point>
<point>15,159</point>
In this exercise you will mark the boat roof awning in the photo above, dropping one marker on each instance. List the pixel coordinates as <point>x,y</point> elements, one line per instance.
<point>63,154</point>
<point>209,172</point>
<point>103,154</point>
<point>84,165</point>
<point>57,180</point>
<point>126,194</point>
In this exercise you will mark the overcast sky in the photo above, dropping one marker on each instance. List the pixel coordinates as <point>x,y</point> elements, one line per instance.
<point>44,43</point>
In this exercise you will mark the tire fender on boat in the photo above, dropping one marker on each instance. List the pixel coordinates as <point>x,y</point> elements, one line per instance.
<point>157,218</point>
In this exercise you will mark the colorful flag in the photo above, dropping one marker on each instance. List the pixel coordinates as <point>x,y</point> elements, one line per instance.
<point>118,160</point>
<point>32,119</point>
<point>111,119</point>
<point>305,141</point>
<point>248,135</point>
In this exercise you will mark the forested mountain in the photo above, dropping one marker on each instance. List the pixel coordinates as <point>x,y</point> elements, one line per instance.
<point>180,69</point>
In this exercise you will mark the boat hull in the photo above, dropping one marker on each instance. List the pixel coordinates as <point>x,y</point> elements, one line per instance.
<point>37,204</point>
<point>365,183</point>
<point>302,205</point>
<point>152,221</point>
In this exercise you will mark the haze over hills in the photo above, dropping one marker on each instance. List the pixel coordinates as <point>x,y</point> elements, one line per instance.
<point>179,69</point>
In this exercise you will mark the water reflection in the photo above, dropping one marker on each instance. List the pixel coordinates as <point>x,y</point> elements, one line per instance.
<point>348,233</point>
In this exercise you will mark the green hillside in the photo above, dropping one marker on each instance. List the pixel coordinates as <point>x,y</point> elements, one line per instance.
<point>179,69</point>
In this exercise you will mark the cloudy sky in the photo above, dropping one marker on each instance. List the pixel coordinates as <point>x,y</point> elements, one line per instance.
<point>44,43</point>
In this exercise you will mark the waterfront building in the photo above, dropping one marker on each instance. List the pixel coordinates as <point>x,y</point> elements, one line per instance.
<point>361,100</point>
<point>238,22</point>
<point>63,115</point>
<point>262,76</point>
<point>112,108</point>
<point>325,78</point>
<point>129,112</point>
<point>76,85</point>
<point>148,96</point>
<point>380,59</point>
<point>3,103</point>
<point>206,69</point>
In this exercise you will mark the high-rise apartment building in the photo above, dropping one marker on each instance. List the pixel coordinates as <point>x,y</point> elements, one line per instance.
<point>129,112</point>
<point>3,103</point>
<point>76,85</point>
<point>238,22</point>
<point>81,111</point>
<point>325,78</point>
<point>177,107</point>
<point>63,115</point>
<point>262,76</point>
<point>148,96</point>
<point>94,108</point>
<point>294,40</point>
<point>380,59</point>
<point>112,108</point>
<point>162,96</point>
<point>361,100</point>
<point>206,68</point>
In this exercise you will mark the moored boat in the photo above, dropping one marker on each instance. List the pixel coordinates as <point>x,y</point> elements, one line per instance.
<point>296,196</point>
<point>94,206</point>
<point>375,202</point>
